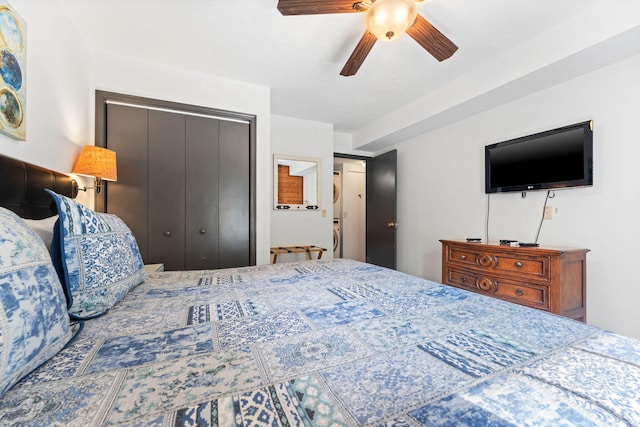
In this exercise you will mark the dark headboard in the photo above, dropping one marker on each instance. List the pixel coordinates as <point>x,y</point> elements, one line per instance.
<point>22,188</point>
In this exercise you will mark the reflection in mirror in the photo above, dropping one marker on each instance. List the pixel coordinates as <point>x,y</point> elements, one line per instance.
<point>295,182</point>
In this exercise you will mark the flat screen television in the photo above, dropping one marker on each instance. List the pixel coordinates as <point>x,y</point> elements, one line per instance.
<point>557,158</point>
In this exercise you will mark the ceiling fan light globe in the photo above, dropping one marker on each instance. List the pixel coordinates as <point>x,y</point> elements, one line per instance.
<point>388,19</point>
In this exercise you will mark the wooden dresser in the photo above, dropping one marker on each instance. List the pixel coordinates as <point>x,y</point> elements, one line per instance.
<point>551,279</point>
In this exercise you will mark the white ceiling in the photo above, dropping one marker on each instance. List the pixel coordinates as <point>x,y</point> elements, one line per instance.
<point>300,57</point>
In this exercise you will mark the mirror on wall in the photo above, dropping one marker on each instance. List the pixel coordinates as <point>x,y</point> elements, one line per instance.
<point>295,182</point>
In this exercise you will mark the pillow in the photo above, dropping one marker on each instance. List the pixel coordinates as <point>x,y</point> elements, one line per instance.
<point>96,256</point>
<point>43,228</point>
<point>34,324</point>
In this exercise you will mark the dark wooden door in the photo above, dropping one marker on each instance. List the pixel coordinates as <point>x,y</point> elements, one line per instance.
<point>234,175</point>
<point>202,204</point>
<point>381,209</point>
<point>128,129</point>
<point>166,189</point>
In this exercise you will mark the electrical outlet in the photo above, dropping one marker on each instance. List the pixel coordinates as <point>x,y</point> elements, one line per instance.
<point>548,212</point>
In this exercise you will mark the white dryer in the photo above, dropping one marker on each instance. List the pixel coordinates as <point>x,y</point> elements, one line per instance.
<point>337,194</point>
<point>337,238</point>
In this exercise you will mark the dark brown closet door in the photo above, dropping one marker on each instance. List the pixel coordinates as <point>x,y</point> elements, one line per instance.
<point>202,161</point>
<point>186,180</point>
<point>127,198</point>
<point>234,204</point>
<point>167,189</point>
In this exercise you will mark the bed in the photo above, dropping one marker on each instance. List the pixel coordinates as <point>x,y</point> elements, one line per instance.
<point>321,342</point>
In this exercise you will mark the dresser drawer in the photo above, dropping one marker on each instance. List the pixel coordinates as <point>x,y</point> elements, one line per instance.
<point>461,279</point>
<point>528,294</point>
<point>472,258</point>
<point>463,256</point>
<point>531,266</point>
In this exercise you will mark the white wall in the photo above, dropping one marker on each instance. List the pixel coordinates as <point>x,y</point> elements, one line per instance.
<point>296,137</point>
<point>343,144</point>
<point>441,188</point>
<point>57,79</point>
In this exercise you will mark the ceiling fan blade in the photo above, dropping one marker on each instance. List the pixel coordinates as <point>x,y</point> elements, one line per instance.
<point>359,54</point>
<point>315,7</point>
<point>428,36</point>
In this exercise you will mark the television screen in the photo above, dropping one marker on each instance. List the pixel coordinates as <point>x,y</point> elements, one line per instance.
<point>557,158</point>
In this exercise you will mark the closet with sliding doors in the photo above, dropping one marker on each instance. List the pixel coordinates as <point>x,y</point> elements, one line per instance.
<point>186,179</point>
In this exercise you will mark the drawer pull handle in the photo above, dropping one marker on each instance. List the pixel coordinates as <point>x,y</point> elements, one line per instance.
<point>486,285</point>
<point>485,260</point>
<point>519,292</point>
<point>202,231</point>
<point>518,264</point>
<point>463,257</point>
<point>167,233</point>
<point>463,279</point>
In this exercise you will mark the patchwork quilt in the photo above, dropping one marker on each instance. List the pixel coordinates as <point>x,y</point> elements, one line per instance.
<point>327,343</point>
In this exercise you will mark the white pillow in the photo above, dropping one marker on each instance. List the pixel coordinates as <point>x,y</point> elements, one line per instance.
<point>43,228</point>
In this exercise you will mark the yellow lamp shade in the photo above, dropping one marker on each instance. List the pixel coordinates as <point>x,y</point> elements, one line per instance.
<point>97,162</point>
<point>388,19</point>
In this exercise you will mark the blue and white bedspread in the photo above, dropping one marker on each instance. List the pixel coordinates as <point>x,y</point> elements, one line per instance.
<point>328,343</point>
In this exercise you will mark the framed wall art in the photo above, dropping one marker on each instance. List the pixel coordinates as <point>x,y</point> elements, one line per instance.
<point>13,58</point>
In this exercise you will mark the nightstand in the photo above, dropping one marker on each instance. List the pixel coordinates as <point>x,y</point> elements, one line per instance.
<point>153,268</point>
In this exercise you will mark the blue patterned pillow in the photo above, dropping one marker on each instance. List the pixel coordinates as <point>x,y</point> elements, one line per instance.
<point>96,256</point>
<point>34,324</point>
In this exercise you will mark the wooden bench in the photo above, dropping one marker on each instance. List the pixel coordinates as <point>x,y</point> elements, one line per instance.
<point>277,250</point>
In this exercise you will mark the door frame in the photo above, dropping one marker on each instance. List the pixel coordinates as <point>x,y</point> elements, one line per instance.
<point>104,97</point>
<point>367,159</point>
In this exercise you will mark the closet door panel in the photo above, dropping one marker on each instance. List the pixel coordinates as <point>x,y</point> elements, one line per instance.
<point>201,193</point>
<point>167,189</point>
<point>234,194</point>
<point>127,136</point>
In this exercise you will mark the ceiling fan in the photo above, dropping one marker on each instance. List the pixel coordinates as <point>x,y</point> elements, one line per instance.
<point>385,19</point>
